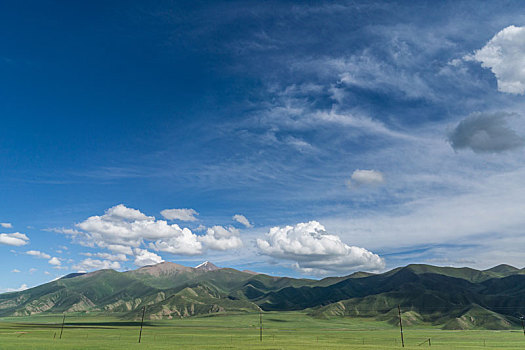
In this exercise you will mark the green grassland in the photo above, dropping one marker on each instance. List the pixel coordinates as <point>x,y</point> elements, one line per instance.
<point>281,330</point>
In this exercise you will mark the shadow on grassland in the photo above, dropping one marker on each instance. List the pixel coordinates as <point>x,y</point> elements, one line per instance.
<point>107,325</point>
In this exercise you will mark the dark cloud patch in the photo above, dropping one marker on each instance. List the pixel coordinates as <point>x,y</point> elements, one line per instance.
<point>485,133</point>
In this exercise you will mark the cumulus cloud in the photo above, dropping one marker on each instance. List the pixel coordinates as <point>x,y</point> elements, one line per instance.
<point>16,239</point>
<point>485,133</point>
<point>38,254</point>
<point>94,264</point>
<point>314,251</point>
<point>220,238</point>
<point>365,178</point>
<point>6,225</point>
<point>179,214</point>
<point>55,261</point>
<point>15,271</point>
<point>504,55</point>
<point>242,220</point>
<point>122,227</point>
<point>182,242</point>
<point>144,257</point>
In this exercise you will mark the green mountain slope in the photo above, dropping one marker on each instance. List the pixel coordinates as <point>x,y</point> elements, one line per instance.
<point>455,298</point>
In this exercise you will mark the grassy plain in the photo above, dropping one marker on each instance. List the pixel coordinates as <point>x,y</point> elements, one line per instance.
<point>281,330</point>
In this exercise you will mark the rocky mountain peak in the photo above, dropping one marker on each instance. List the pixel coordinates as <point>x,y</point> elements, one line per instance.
<point>207,266</point>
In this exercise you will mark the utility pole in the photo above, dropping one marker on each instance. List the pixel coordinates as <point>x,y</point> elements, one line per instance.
<point>62,329</point>
<point>401,326</point>
<point>141,323</point>
<point>260,326</point>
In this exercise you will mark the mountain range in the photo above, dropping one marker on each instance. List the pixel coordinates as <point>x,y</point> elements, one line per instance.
<point>453,298</point>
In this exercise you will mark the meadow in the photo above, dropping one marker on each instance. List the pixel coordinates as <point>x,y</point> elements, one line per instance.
<point>281,330</point>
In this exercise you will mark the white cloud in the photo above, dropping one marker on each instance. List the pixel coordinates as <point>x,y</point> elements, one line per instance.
<point>242,220</point>
<point>504,55</point>
<point>46,273</point>
<point>200,228</point>
<point>366,177</point>
<point>67,231</point>
<point>19,289</point>
<point>32,270</point>
<point>122,227</point>
<point>121,212</point>
<point>220,238</point>
<point>315,251</point>
<point>16,239</point>
<point>144,257</point>
<point>55,261</point>
<point>15,271</point>
<point>367,71</point>
<point>94,264</point>
<point>486,216</point>
<point>183,241</point>
<point>6,225</point>
<point>485,133</point>
<point>179,214</point>
<point>38,254</point>
<point>107,256</point>
<point>121,249</point>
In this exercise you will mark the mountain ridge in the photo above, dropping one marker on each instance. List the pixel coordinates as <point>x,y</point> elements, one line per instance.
<point>451,297</point>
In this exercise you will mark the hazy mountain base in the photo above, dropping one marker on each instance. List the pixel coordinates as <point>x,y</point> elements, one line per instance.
<point>449,297</point>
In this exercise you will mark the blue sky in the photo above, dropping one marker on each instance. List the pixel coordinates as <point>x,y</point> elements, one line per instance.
<point>291,138</point>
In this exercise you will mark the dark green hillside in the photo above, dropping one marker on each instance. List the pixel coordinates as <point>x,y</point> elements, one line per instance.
<point>455,298</point>
<point>465,273</point>
<point>86,292</point>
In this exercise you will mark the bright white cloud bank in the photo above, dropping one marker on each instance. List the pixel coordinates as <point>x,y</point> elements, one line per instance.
<point>315,251</point>
<point>124,231</point>
<point>179,214</point>
<point>16,239</point>
<point>504,54</point>
<point>122,227</point>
